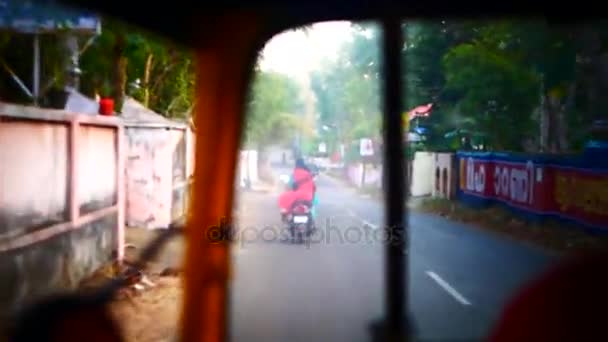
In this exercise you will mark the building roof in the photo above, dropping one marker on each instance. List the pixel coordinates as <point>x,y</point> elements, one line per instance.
<point>135,113</point>
<point>26,16</point>
<point>79,103</point>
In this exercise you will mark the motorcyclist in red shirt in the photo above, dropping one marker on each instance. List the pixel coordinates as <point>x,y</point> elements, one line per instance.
<point>303,189</point>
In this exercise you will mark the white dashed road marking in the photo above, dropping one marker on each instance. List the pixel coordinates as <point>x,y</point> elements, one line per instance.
<point>449,289</point>
<point>365,222</point>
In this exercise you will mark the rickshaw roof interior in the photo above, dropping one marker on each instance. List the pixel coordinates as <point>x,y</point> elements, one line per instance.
<point>187,21</point>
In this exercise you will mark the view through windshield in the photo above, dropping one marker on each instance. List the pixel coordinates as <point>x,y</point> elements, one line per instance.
<point>506,130</point>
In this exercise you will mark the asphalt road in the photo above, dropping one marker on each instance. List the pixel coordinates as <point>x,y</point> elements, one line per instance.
<point>332,288</point>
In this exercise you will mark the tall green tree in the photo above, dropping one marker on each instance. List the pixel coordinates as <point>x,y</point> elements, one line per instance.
<point>348,89</point>
<point>274,110</point>
<point>493,92</point>
<point>497,71</point>
<point>274,115</point>
<point>122,55</point>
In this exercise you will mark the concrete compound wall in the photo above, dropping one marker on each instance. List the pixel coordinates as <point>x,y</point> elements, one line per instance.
<point>97,165</point>
<point>573,189</point>
<point>248,167</point>
<point>420,171</point>
<point>56,264</point>
<point>158,169</point>
<point>444,175</point>
<point>61,204</point>
<point>422,174</point>
<point>33,175</point>
<point>373,175</point>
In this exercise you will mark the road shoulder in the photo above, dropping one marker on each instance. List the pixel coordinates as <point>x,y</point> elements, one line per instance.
<point>553,237</point>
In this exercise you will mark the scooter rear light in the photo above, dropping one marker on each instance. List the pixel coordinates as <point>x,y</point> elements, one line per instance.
<point>301,209</point>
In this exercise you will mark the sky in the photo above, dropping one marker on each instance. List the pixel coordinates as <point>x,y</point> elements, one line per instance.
<point>296,54</point>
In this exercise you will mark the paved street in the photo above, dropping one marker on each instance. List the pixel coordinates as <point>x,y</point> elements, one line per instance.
<point>332,288</point>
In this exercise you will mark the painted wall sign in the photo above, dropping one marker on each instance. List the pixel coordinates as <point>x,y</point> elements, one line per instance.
<point>514,182</point>
<point>538,188</point>
<point>366,147</point>
<point>581,194</point>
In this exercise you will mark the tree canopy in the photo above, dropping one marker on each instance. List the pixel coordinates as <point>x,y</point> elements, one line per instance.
<point>347,89</point>
<point>274,109</point>
<point>525,85</point>
<point>117,58</point>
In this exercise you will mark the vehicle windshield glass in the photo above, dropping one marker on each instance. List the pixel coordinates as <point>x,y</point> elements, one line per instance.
<point>505,143</point>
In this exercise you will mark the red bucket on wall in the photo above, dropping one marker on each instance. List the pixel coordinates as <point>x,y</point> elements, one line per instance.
<point>106,106</point>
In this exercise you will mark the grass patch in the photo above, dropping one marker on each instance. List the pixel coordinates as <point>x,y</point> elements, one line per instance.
<point>550,234</point>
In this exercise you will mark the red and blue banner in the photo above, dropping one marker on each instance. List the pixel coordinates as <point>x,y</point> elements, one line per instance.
<point>538,186</point>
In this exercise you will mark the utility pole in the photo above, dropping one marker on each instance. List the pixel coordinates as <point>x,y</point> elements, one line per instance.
<point>363,173</point>
<point>36,71</point>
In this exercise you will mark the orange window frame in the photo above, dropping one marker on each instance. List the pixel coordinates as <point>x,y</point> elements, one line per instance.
<point>224,68</point>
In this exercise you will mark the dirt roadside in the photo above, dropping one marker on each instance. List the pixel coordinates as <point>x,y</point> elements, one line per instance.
<point>554,236</point>
<point>153,314</point>
<point>150,312</point>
